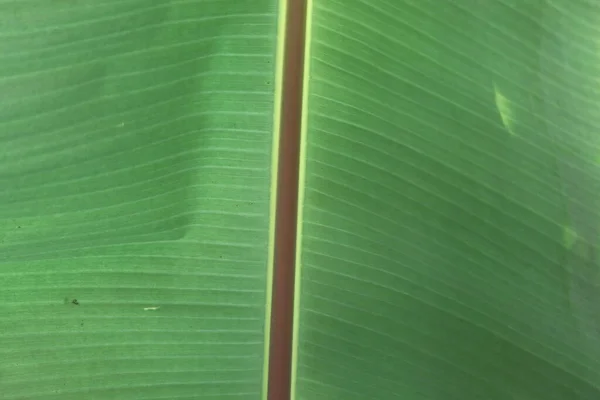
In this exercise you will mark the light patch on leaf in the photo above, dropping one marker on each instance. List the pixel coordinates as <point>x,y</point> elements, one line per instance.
<point>569,237</point>
<point>506,110</point>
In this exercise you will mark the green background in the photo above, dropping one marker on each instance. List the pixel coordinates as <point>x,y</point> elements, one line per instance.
<point>434,264</point>
<point>134,172</point>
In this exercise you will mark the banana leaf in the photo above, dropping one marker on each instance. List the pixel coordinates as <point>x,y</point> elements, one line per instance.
<point>451,194</point>
<point>448,193</point>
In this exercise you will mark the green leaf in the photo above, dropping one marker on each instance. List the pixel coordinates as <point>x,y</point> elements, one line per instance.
<point>135,179</point>
<point>448,223</point>
<point>448,145</point>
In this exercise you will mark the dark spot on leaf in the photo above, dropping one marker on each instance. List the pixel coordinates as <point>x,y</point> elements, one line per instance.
<point>75,301</point>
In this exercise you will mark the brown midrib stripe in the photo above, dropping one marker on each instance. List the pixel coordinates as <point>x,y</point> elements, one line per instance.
<point>282,305</point>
